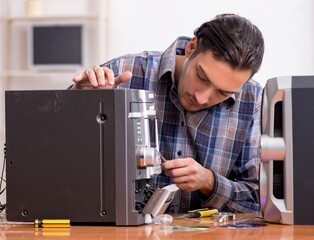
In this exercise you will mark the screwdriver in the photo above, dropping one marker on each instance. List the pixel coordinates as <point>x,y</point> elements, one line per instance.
<point>198,213</point>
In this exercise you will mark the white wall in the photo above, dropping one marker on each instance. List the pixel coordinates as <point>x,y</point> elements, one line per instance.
<point>137,25</point>
<point>288,28</point>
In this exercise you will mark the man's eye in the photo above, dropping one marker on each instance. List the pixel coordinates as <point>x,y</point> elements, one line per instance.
<point>225,94</point>
<point>203,79</point>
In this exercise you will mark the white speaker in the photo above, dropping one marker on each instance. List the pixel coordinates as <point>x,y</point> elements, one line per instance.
<point>287,150</point>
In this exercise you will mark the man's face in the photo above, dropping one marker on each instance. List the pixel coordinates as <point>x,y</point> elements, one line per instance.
<point>205,81</point>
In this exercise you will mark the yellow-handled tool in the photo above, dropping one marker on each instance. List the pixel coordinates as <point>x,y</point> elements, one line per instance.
<point>204,212</point>
<point>52,223</point>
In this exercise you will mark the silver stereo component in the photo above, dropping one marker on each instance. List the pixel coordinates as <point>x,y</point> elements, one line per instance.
<point>160,200</point>
<point>88,156</point>
<point>287,150</point>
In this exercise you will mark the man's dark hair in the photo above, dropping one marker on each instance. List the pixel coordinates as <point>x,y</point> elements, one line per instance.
<point>232,39</point>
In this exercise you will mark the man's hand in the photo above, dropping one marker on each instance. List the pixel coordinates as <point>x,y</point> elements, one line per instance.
<point>99,77</point>
<point>189,175</point>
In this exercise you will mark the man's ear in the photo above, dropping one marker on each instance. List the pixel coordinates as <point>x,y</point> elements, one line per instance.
<point>190,47</point>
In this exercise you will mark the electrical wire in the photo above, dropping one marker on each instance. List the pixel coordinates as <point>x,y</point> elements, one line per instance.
<point>3,205</point>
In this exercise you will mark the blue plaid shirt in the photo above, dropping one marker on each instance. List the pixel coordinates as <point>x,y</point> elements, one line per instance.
<point>224,138</point>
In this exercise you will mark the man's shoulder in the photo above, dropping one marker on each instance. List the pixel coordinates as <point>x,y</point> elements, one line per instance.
<point>254,83</point>
<point>145,55</point>
<point>136,58</point>
<point>251,91</point>
<point>252,86</point>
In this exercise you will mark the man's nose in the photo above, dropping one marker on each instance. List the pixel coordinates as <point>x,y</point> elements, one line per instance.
<point>202,96</point>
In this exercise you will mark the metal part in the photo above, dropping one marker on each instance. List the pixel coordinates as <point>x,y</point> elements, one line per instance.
<point>160,200</point>
<point>221,217</point>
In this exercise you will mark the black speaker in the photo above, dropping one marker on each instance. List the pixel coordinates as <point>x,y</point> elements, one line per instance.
<point>74,155</point>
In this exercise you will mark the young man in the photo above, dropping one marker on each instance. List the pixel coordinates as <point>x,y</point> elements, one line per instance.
<point>208,110</point>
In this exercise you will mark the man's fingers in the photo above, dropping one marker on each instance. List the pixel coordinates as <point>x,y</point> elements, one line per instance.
<point>79,77</point>
<point>87,75</point>
<point>91,75</point>
<point>123,77</point>
<point>109,76</point>
<point>100,77</point>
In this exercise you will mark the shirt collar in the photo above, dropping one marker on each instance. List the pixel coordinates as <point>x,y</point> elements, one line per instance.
<point>168,58</point>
